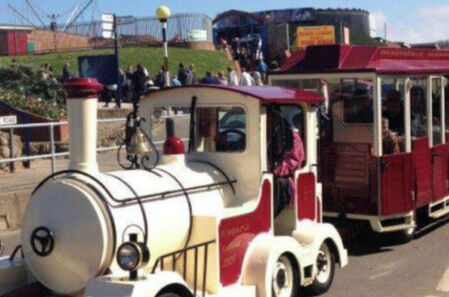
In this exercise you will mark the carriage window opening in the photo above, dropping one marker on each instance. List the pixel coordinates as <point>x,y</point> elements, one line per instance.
<point>286,135</point>
<point>418,108</point>
<point>220,129</point>
<point>357,97</point>
<point>393,140</point>
<point>436,111</point>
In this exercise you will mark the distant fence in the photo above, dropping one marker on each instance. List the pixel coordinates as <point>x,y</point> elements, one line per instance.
<point>142,31</point>
<point>147,29</point>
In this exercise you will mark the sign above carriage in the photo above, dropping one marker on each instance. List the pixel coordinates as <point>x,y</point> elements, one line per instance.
<point>315,35</point>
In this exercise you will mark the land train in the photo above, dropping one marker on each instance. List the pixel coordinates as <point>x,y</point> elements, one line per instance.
<point>384,152</point>
<point>195,220</point>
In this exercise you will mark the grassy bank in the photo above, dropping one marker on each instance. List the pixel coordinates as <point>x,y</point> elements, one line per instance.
<point>149,57</point>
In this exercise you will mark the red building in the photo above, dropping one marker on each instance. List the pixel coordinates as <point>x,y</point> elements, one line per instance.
<point>14,40</point>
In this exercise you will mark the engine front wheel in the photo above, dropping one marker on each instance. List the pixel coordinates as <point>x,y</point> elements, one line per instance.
<point>284,279</point>
<point>169,295</point>
<point>325,263</point>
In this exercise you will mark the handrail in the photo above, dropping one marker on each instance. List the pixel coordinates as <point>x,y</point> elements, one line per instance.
<point>183,253</point>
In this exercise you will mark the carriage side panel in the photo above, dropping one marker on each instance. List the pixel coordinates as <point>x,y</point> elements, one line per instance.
<point>397,183</point>
<point>423,171</point>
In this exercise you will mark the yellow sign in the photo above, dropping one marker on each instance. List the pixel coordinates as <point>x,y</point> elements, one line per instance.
<point>315,35</point>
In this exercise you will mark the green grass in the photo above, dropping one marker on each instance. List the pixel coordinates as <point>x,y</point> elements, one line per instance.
<point>149,57</point>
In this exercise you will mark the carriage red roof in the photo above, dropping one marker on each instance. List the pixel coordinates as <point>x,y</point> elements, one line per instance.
<point>353,58</point>
<point>265,93</point>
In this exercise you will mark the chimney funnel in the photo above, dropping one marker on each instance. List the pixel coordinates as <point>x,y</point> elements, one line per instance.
<point>82,98</point>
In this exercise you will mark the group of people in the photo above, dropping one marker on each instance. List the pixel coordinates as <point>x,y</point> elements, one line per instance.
<point>252,78</point>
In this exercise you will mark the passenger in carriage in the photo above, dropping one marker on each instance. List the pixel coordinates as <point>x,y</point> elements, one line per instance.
<point>418,112</point>
<point>394,112</point>
<point>286,150</point>
<point>390,140</point>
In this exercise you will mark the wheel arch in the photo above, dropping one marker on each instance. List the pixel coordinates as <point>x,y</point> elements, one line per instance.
<point>334,249</point>
<point>261,255</point>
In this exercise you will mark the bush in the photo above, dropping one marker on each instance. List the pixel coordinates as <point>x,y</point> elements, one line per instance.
<point>32,90</point>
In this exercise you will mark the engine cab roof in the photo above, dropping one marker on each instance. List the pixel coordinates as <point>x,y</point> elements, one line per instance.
<point>353,58</point>
<point>265,93</point>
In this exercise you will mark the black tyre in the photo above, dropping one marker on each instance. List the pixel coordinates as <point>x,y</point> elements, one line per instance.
<point>405,236</point>
<point>169,295</point>
<point>285,278</point>
<point>326,269</point>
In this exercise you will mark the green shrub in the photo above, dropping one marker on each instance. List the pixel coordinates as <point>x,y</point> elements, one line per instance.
<point>33,90</point>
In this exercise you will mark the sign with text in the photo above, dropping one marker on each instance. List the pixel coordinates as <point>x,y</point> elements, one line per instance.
<point>107,25</point>
<point>315,35</point>
<point>8,120</point>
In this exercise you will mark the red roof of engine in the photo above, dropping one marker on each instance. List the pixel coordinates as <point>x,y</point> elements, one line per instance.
<point>265,93</point>
<point>353,58</point>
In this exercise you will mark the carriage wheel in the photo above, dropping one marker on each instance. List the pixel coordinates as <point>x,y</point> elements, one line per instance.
<point>284,280</point>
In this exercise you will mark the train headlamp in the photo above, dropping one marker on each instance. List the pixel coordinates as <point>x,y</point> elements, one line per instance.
<point>132,255</point>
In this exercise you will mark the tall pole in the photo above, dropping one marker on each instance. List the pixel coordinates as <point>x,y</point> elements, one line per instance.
<point>165,42</point>
<point>119,85</point>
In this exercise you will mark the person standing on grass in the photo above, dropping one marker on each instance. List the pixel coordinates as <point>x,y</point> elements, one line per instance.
<point>222,79</point>
<point>138,82</point>
<point>66,75</point>
<point>191,79</point>
<point>246,79</point>
<point>182,74</point>
<point>232,77</point>
<point>209,79</point>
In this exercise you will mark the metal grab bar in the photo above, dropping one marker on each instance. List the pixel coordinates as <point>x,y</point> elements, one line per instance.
<point>183,253</point>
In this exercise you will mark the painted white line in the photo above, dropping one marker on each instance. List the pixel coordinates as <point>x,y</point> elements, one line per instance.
<point>443,285</point>
<point>380,275</point>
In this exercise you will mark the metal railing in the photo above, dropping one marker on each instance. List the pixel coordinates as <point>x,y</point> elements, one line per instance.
<point>183,253</point>
<point>51,130</point>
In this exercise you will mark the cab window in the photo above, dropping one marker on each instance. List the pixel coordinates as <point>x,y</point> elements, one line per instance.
<point>220,129</point>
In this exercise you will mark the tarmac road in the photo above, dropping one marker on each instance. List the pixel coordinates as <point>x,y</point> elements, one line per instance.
<point>419,268</point>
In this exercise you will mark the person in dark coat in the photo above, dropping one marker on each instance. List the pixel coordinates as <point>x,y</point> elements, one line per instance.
<point>66,75</point>
<point>182,74</point>
<point>138,83</point>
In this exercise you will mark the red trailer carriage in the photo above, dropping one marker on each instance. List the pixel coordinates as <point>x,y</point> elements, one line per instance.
<point>383,144</point>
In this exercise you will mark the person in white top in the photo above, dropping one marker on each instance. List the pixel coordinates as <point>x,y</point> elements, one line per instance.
<point>246,79</point>
<point>257,77</point>
<point>232,77</point>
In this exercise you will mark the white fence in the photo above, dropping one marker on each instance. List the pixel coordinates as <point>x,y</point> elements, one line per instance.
<point>53,154</point>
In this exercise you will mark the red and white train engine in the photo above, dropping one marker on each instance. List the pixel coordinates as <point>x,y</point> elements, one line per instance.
<point>200,220</point>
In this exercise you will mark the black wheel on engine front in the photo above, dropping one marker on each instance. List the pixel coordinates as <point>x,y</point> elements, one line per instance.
<point>284,278</point>
<point>325,271</point>
<point>169,295</point>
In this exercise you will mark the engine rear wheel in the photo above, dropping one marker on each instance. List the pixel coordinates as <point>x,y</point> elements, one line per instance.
<point>326,268</point>
<point>284,278</point>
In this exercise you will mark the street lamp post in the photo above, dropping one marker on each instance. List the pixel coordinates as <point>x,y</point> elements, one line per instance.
<point>163,13</point>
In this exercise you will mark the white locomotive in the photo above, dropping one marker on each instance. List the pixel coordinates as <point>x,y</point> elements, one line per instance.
<point>195,223</point>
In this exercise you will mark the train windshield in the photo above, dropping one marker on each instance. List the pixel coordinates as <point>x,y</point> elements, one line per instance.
<point>216,129</point>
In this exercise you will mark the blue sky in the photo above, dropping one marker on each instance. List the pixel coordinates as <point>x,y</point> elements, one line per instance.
<point>409,20</point>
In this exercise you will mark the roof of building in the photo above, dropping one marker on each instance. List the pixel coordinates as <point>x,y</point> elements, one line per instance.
<point>353,58</point>
<point>11,27</point>
<point>265,93</point>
